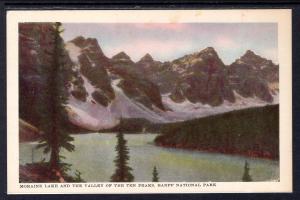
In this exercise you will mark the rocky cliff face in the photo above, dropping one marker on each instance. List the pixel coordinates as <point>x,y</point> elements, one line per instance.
<point>30,45</point>
<point>104,89</point>
<point>133,82</point>
<point>114,87</point>
<point>92,64</point>
<point>158,73</point>
<point>202,78</point>
<point>254,76</point>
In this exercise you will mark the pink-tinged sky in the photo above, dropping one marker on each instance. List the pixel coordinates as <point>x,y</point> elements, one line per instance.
<point>166,41</point>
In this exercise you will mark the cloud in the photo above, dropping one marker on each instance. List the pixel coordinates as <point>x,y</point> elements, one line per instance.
<point>225,42</point>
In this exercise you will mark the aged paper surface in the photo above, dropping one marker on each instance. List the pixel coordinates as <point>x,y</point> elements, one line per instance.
<point>166,35</point>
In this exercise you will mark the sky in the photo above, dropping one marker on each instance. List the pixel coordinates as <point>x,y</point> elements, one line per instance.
<point>168,41</point>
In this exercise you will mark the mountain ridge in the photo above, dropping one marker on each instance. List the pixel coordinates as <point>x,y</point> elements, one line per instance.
<point>203,80</point>
<point>104,89</point>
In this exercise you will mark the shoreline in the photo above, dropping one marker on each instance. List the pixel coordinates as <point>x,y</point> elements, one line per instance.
<point>249,153</point>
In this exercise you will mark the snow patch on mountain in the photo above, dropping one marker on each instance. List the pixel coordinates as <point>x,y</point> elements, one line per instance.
<point>94,116</point>
<point>186,105</point>
<point>74,51</point>
<point>89,88</point>
<point>91,116</point>
<point>123,106</point>
<point>188,110</point>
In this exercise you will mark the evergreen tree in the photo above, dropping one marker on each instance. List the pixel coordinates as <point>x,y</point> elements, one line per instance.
<point>123,171</point>
<point>56,75</point>
<point>155,177</point>
<point>78,177</point>
<point>246,176</point>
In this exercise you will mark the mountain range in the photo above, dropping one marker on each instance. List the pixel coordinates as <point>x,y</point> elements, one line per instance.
<point>104,89</point>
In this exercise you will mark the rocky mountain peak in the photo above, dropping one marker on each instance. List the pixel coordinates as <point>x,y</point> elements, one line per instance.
<point>251,57</point>
<point>254,60</point>
<point>87,44</point>
<point>249,53</point>
<point>78,41</point>
<point>92,42</point>
<point>208,51</point>
<point>146,58</point>
<point>209,54</point>
<point>122,56</point>
<point>98,82</point>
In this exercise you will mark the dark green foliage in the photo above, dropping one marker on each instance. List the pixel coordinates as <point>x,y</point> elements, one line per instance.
<point>65,168</point>
<point>53,97</point>
<point>246,177</point>
<point>155,177</point>
<point>33,42</point>
<point>39,172</point>
<point>123,171</point>
<point>252,132</point>
<point>78,177</point>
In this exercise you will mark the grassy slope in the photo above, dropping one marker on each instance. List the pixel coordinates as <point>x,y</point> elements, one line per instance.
<point>251,132</point>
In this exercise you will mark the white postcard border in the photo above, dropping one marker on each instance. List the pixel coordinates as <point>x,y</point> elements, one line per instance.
<point>280,16</point>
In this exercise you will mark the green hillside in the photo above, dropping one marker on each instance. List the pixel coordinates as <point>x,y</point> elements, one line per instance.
<point>252,132</point>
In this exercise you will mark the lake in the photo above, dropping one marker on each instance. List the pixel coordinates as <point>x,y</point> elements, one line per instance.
<point>94,154</point>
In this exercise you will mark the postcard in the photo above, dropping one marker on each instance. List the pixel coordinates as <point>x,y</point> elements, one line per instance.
<point>149,101</point>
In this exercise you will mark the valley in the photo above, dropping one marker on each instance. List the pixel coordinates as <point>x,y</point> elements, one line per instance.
<point>195,112</point>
